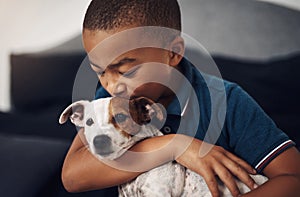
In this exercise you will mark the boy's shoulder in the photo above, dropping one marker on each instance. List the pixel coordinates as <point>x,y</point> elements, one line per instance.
<point>201,80</point>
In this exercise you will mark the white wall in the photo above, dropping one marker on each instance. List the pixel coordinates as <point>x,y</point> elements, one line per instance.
<point>34,25</point>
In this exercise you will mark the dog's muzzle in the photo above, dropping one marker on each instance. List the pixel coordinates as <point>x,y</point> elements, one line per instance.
<point>103,145</point>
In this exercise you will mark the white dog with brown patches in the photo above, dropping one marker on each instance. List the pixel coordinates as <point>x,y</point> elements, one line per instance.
<point>113,125</point>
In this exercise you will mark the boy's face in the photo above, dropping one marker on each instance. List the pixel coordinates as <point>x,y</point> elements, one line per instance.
<point>135,73</point>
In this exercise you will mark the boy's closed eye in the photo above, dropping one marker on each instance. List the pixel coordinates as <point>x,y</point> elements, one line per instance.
<point>123,67</point>
<point>130,72</point>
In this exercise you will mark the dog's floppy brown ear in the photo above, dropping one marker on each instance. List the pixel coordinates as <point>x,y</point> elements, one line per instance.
<point>75,112</point>
<point>145,111</point>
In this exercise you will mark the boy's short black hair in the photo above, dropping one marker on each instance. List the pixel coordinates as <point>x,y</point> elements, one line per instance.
<point>112,14</point>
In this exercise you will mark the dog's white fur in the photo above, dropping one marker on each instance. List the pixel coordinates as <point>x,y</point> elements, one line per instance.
<point>170,179</point>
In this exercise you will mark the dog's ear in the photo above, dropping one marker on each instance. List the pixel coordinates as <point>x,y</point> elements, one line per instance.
<point>145,111</point>
<point>75,112</point>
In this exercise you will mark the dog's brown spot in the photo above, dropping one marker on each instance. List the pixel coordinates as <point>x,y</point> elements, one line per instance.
<point>139,111</point>
<point>134,113</point>
<point>120,106</point>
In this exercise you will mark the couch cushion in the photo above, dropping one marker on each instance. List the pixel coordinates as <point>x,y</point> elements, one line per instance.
<point>42,80</point>
<point>43,123</point>
<point>28,164</point>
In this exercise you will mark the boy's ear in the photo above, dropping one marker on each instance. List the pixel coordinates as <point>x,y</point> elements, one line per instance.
<point>176,51</point>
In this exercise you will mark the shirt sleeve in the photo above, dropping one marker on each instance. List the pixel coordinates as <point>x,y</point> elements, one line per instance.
<point>101,92</point>
<point>252,134</point>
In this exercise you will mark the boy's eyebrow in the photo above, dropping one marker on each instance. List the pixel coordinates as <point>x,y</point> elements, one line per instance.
<point>118,64</point>
<point>95,65</point>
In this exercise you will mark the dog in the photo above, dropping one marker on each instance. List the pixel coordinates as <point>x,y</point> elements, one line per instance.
<point>113,125</point>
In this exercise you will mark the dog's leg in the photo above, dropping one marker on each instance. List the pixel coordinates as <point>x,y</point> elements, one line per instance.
<point>128,189</point>
<point>195,185</point>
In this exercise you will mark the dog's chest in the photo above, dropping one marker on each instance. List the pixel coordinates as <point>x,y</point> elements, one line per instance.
<point>165,180</point>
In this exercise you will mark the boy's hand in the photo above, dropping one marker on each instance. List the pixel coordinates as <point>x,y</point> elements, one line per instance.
<point>217,162</point>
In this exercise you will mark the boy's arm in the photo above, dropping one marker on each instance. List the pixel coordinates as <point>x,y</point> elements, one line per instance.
<point>284,176</point>
<point>82,171</point>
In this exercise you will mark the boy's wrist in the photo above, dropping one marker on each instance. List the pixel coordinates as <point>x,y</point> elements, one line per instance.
<point>179,144</point>
<point>171,142</point>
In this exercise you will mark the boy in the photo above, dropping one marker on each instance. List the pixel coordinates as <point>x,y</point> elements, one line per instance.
<point>274,156</point>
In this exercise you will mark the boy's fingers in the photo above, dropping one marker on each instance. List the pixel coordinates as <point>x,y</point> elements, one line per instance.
<point>212,184</point>
<point>241,163</point>
<point>227,178</point>
<point>244,177</point>
<point>237,170</point>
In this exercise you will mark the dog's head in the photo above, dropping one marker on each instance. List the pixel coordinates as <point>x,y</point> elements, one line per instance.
<point>112,125</point>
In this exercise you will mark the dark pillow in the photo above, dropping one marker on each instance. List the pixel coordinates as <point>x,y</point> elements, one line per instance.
<point>274,84</point>
<point>43,80</point>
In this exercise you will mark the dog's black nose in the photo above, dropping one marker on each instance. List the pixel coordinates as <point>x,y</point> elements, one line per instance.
<point>102,144</point>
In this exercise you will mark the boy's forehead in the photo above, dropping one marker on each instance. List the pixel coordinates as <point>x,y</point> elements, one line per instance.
<point>104,47</point>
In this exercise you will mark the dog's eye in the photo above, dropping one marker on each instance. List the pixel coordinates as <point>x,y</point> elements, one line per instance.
<point>89,122</point>
<point>120,118</point>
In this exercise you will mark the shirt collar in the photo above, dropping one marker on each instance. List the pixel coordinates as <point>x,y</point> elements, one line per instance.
<point>182,93</point>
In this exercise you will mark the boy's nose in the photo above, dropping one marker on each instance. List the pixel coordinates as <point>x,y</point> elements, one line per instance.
<point>117,89</point>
